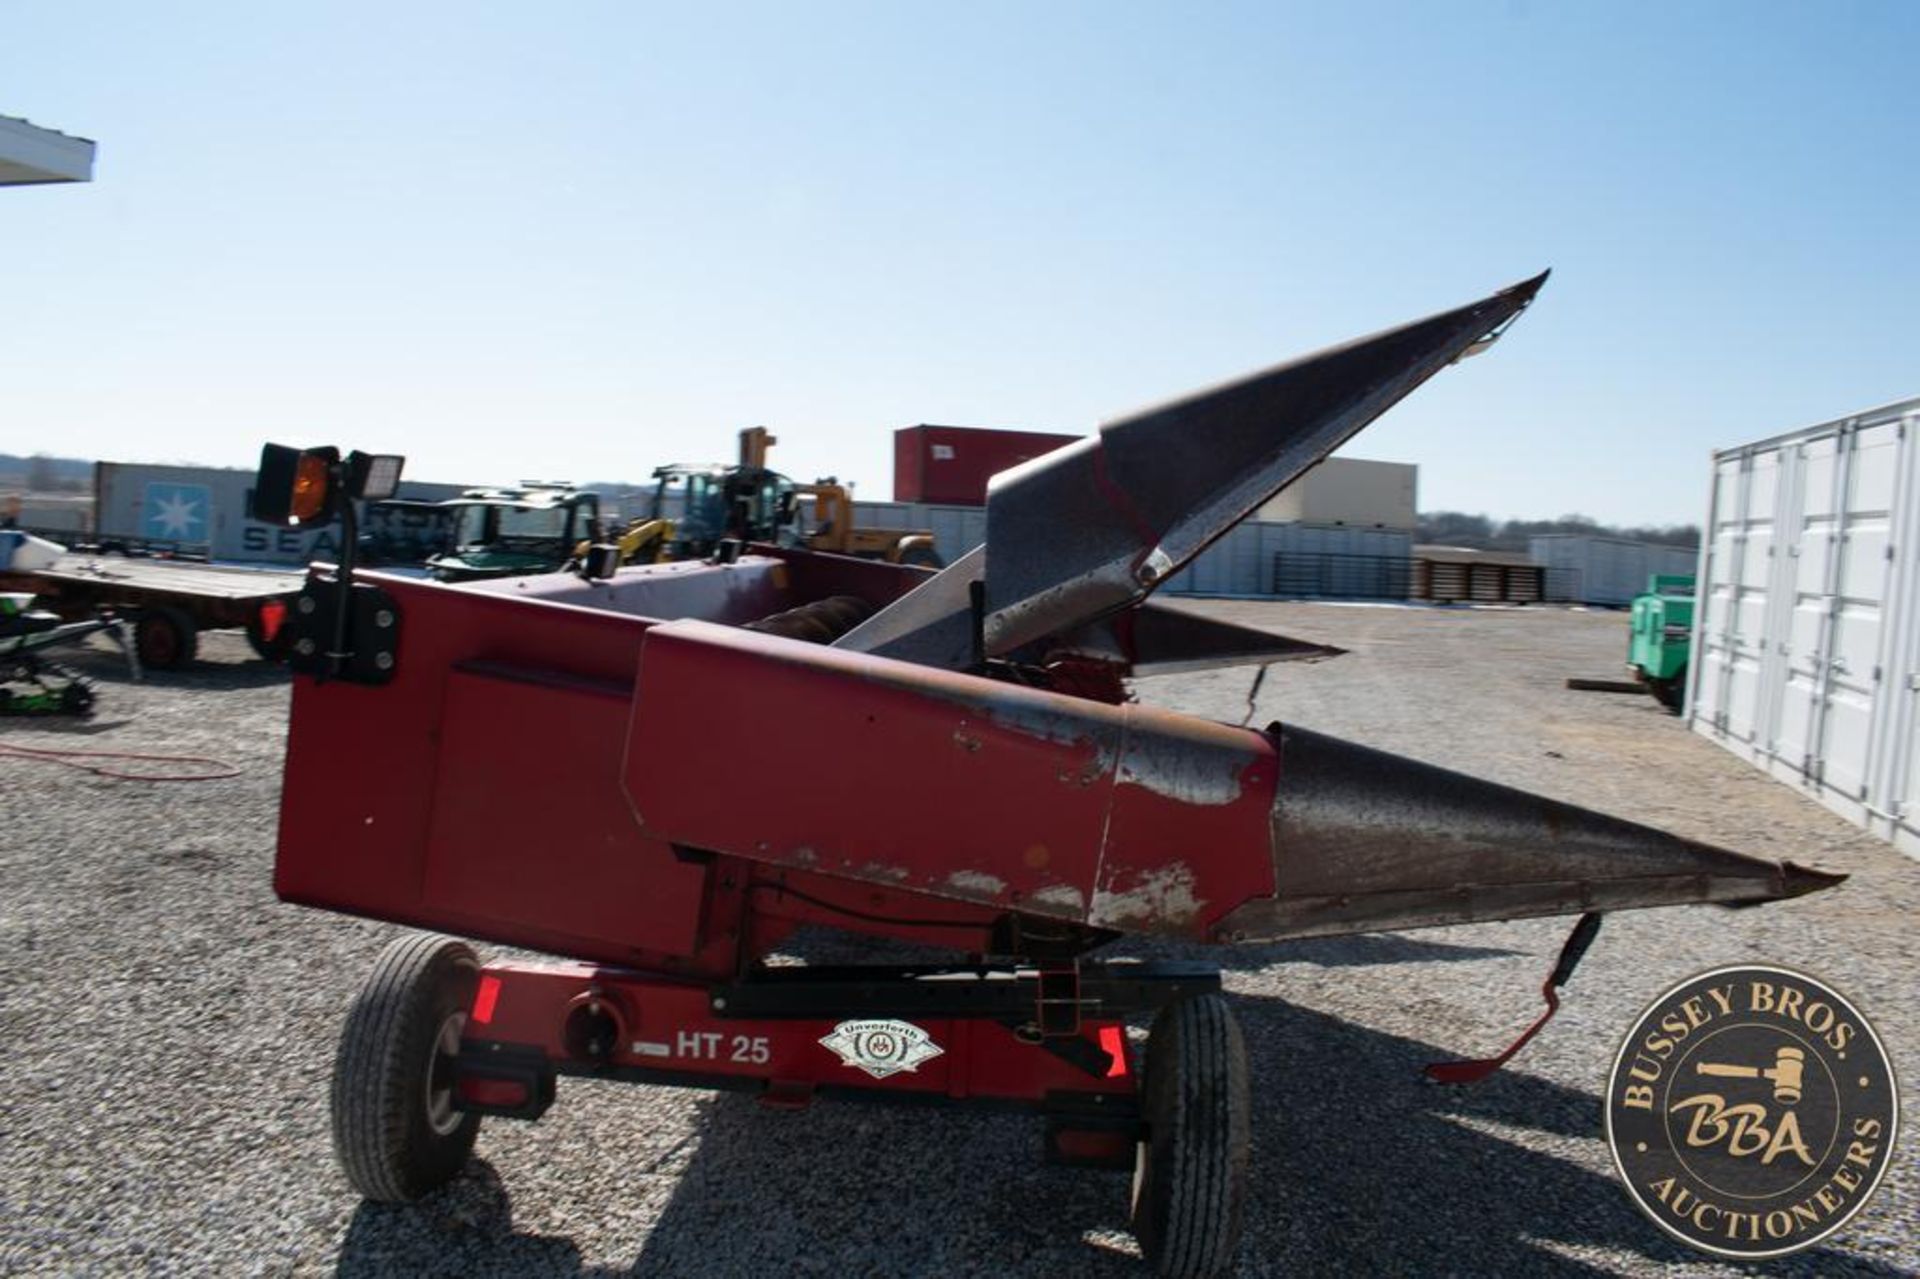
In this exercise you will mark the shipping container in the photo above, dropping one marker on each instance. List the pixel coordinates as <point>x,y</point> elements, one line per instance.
<point>950,465</point>
<point>204,510</point>
<point>1806,637</point>
<point>1606,570</point>
<point>956,529</point>
<point>68,513</point>
<point>1312,560</point>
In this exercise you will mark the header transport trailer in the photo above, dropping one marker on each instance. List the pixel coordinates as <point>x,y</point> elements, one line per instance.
<point>168,602</point>
<point>659,772</point>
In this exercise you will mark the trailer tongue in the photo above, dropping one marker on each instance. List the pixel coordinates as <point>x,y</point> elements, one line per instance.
<point>661,773</point>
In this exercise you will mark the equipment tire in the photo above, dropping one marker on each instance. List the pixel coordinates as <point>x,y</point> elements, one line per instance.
<point>1671,693</point>
<point>922,557</point>
<point>77,697</point>
<point>396,1132</point>
<point>165,638</point>
<point>1190,1173</point>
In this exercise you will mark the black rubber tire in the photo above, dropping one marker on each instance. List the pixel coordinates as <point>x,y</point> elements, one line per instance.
<point>1190,1178</point>
<point>165,638</point>
<point>1671,693</point>
<point>922,557</point>
<point>77,698</point>
<point>384,1127</point>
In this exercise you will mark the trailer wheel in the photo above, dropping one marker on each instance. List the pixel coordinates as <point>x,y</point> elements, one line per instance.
<point>165,638</point>
<point>396,1132</point>
<point>1190,1174</point>
<point>1671,693</point>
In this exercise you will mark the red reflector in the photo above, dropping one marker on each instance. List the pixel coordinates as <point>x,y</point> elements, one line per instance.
<point>481,1090</point>
<point>1113,1042</point>
<point>272,614</point>
<point>1091,1146</point>
<point>484,1000</point>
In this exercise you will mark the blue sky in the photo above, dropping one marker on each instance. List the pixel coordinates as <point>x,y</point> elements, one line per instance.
<point>578,240</point>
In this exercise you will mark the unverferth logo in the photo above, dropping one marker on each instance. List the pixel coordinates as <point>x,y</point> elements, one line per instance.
<point>881,1048</point>
<point>1751,1111</point>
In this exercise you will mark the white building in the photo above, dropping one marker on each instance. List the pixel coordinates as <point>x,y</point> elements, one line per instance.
<point>1349,491</point>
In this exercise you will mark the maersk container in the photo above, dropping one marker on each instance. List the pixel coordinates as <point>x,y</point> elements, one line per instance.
<point>1807,631</point>
<point>204,509</point>
<point>950,465</point>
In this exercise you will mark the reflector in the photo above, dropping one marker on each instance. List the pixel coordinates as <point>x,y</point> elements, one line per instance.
<point>310,488</point>
<point>485,998</point>
<point>487,1090</point>
<point>294,486</point>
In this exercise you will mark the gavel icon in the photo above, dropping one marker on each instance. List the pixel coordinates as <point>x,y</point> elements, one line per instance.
<point>1788,1072</point>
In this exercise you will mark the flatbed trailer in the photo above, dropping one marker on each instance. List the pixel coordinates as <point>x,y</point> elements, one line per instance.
<point>169,602</point>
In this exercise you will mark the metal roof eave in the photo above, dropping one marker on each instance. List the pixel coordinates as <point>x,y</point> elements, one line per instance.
<point>33,156</point>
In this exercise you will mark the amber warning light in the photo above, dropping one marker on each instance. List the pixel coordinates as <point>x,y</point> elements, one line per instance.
<point>306,486</point>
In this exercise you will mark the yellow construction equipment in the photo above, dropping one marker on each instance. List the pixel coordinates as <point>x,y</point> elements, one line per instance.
<point>750,502</point>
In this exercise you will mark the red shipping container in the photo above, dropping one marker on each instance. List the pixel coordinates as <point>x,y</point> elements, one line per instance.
<point>950,465</point>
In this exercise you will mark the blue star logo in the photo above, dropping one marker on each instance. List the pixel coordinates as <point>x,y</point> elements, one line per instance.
<point>178,512</point>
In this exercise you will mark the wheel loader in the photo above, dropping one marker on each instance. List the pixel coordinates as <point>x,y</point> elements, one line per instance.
<point>750,502</point>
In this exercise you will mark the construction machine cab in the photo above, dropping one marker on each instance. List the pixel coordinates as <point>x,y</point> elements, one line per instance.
<point>750,502</point>
<point>506,532</point>
<point>714,503</point>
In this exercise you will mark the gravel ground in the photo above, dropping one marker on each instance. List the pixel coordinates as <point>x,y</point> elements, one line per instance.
<point>171,1026</point>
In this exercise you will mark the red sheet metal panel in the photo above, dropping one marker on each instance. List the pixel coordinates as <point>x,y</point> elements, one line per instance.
<point>946,784</point>
<point>363,763</point>
<point>1190,834</point>
<point>529,829</point>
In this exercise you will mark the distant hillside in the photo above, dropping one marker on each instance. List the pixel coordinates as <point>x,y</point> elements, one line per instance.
<point>1453,528</point>
<point>42,474</point>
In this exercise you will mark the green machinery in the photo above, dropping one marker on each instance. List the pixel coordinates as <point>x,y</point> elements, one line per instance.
<point>507,532</point>
<point>32,685</point>
<point>1662,635</point>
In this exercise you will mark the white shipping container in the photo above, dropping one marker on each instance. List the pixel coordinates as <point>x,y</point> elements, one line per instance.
<point>1346,561</point>
<point>1606,570</point>
<point>1806,638</point>
<point>956,529</point>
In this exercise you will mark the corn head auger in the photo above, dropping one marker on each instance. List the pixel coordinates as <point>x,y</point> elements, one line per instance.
<point>661,772</point>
